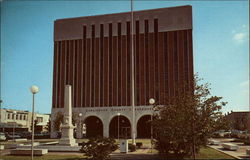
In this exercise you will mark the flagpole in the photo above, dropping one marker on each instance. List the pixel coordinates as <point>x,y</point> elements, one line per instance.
<point>133,74</point>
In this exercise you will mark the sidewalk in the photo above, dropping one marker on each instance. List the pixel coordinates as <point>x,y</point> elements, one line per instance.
<point>239,154</point>
<point>139,154</point>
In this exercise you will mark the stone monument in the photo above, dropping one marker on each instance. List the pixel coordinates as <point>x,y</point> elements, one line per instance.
<point>67,128</point>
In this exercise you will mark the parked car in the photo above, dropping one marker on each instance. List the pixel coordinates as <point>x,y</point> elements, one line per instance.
<point>11,136</point>
<point>24,134</point>
<point>42,135</point>
<point>222,133</point>
<point>2,136</point>
<point>46,134</point>
<point>239,134</point>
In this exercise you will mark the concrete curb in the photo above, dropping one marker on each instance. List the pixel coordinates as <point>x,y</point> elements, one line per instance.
<point>224,152</point>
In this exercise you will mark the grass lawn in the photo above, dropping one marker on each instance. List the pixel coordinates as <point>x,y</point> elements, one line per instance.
<point>210,153</point>
<point>45,157</point>
<point>206,153</point>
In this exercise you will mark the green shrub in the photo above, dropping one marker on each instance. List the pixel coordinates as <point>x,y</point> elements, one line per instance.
<point>216,135</point>
<point>131,147</point>
<point>227,136</point>
<point>247,141</point>
<point>138,144</point>
<point>99,148</point>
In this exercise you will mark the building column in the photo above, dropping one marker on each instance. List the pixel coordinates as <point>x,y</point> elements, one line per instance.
<point>135,130</point>
<point>105,127</point>
<point>105,131</point>
<point>79,130</point>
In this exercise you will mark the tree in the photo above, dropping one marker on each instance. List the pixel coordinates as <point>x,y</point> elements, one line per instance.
<point>189,119</point>
<point>58,121</point>
<point>74,118</point>
<point>36,127</point>
<point>248,123</point>
<point>222,123</point>
<point>99,148</point>
<point>48,126</point>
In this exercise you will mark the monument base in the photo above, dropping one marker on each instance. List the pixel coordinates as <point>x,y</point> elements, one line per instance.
<point>56,148</point>
<point>67,138</point>
<point>67,142</point>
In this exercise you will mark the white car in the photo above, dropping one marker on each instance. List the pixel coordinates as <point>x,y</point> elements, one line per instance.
<point>2,136</point>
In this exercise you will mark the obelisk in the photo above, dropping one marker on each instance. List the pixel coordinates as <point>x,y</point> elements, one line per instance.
<point>67,128</point>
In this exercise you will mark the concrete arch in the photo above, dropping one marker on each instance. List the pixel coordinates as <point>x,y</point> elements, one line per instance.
<point>120,127</point>
<point>94,126</point>
<point>141,115</point>
<point>115,115</point>
<point>94,115</point>
<point>105,114</point>
<point>143,126</point>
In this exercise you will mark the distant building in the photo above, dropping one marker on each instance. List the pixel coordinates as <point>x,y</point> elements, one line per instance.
<point>21,120</point>
<point>93,55</point>
<point>42,121</point>
<point>238,120</point>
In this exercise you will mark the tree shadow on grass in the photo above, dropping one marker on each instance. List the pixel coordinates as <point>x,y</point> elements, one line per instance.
<point>75,159</point>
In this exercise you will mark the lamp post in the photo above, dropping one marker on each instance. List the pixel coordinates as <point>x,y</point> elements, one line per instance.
<point>34,89</point>
<point>118,126</point>
<point>152,102</point>
<point>14,125</point>
<point>80,117</point>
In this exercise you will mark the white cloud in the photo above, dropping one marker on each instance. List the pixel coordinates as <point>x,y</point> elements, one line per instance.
<point>245,83</point>
<point>239,37</point>
<point>245,26</point>
<point>246,91</point>
<point>241,34</point>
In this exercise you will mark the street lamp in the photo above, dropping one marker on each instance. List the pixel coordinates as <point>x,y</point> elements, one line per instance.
<point>152,102</point>
<point>14,125</point>
<point>34,89</point>
<point>118,114</point>
<point>80,117</point>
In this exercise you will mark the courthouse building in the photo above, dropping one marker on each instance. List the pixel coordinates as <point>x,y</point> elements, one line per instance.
<point>93,54</point>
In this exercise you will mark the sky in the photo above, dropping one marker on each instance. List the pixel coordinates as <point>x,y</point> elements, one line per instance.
<point>220,41</point>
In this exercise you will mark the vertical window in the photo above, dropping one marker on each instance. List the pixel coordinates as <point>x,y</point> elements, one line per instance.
<point>157,86</point>
<point>119,66</point>
<point>175,58</point>
<point>93,65</point>
<point>166,64</point>
<point>146,59</point>
<point>137,65</point>
<point>101,64</point>
<point>110,64</point>
<point>128,64</point>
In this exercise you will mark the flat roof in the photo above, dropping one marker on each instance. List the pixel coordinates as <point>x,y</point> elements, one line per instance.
<point>169,19</point>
